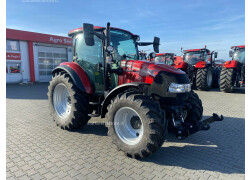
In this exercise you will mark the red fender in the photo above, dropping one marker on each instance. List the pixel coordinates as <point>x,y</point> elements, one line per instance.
<point>81,74</point>
<point>181,65</point>
<point>231,64</point>
<point>200,64</point>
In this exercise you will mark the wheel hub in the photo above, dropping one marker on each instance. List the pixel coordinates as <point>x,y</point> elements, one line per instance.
<point>135,122</point>
<point>61,100</point>
<point>128,125</point>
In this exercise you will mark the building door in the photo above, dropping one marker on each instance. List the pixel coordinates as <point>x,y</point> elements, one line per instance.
<point>48,59</point>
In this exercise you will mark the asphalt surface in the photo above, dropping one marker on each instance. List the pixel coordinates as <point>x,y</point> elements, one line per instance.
<point>38,149</point>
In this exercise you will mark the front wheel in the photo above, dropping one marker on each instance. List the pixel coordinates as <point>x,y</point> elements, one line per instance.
<point>227,80</point>
<point>204,79</point>
<point>68,107</point>
<point>136,124</point>
<point>194,114</point>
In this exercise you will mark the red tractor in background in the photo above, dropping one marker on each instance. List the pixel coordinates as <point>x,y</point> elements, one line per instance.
<point>200,66</point>
<point>232,75</point>
<point>142,55</point>
<point>141,100</point>
<point>164,58</point>
<point>178,59</point>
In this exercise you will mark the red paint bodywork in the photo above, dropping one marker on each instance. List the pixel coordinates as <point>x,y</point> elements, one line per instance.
<point>178,59</point>
<point>200,64</point>
<point>81,74</point>
<point>181,65</point>
<point>143,71</point>
<point>133,71</point>
<point>231,64</point>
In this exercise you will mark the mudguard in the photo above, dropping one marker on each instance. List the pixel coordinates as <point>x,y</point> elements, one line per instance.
<point>231,64</point>
<point>119,89</point>
<point>78,75</point>
<point>200,64</point>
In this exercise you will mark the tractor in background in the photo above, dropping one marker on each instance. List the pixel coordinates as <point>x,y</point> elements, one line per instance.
<point>141,100</point>
<point>200,66</point>
<point>164,58</point>
<point>232,75</point>
<point>142,55</point>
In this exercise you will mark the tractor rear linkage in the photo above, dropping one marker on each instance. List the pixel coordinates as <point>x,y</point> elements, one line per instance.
<point>188,129</point>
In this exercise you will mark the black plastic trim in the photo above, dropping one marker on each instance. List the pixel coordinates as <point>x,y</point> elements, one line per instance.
<point>77,81</point>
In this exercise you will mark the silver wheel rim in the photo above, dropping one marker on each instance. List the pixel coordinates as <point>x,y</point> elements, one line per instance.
<point>62,100</point>
<point>209,78</point>
<point>128,125</point>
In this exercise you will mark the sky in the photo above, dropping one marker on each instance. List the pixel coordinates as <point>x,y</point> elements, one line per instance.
<point>190,24</point>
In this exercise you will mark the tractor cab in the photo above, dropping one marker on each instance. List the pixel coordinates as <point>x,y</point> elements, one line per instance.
<point>238,53</point>
<point>164,58</point>
<point>101,55</point>
<point>193,56</point>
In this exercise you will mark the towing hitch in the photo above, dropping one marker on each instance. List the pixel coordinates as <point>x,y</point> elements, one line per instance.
<point>187,129</point>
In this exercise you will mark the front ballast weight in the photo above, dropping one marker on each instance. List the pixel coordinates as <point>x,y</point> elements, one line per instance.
<point>188,129</point>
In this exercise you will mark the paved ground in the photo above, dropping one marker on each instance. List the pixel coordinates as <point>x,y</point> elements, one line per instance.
<point>37,149</point>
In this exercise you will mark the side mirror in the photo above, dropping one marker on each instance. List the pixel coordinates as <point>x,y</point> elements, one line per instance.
<point>230,53</point>
<point>156,44</point>
<point>88,31</point>
<point>215,54</point>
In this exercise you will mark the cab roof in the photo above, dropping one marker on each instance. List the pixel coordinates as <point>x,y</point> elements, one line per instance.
<point>79,30</point>
<point>163,54</point>
<point>196,50</point>
<point>240,47</point>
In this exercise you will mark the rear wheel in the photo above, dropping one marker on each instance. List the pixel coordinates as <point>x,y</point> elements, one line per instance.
<point>204,78</point>
<point>136,124</point>
<point>226,80</point>
<point>68,107</point>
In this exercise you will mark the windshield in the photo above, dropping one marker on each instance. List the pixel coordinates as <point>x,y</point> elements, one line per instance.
<point>164,60</point>
<point>193,57</point>
<point>124,45</point>
<point>239,55</point>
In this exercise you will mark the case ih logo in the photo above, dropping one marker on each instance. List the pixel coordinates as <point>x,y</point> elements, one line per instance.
<point>60,40</point>
<point>13,56</point>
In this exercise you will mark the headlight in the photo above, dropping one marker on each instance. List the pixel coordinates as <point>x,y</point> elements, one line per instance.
<point>179,88</point>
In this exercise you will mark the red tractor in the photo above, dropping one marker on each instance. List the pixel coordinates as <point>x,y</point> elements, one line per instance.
<point>200,66</point>
<point>141,100</point>
<point>232,75</point>
<point>142,55</point>
<point>165,58</point>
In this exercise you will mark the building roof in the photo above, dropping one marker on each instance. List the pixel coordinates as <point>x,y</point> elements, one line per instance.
<point>37,37</point>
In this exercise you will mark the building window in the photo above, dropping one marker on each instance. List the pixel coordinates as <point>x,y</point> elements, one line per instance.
<point>12,67</point>
<point>12,46</point>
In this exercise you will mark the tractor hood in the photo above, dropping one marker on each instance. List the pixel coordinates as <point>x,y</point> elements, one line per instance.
<point>148,67</point>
